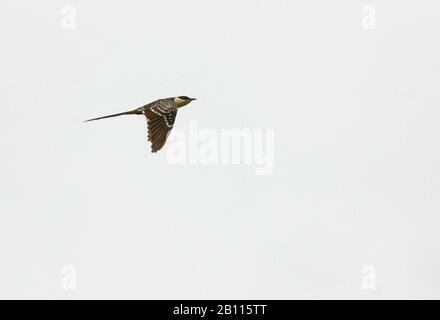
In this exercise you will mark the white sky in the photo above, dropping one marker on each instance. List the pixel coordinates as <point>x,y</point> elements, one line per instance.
<point>356,176</point>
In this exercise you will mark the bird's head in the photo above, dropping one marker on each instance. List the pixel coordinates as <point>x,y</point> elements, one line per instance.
<point>182,101</point>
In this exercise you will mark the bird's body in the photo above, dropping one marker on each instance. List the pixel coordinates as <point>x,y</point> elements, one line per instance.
<point>160,115</point>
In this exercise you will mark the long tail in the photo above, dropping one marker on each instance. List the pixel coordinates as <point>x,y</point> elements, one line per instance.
<point>115,115</point>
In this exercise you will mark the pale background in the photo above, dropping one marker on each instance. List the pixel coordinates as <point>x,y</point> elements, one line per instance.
<point>356,119</point>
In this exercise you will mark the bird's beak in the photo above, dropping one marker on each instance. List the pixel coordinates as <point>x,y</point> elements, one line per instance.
<point>192,99</point>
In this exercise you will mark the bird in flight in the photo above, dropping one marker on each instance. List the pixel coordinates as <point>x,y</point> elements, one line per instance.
<point>160,115</point>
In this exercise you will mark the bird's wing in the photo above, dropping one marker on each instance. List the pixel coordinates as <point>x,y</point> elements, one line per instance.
<point>160,119</point>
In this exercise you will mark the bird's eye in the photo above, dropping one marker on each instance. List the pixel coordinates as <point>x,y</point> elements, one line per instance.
<point>183,97</point>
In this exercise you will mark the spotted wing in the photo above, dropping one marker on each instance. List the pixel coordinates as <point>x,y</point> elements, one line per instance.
<point>160,119</point>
